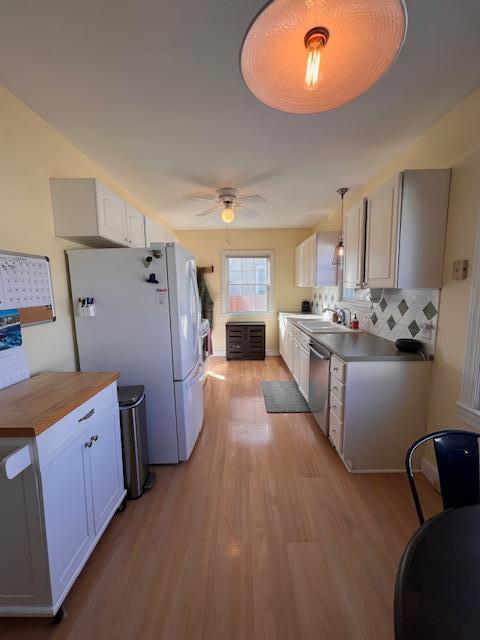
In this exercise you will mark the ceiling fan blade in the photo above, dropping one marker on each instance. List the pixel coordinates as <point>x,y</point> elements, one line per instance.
<point>209,182</point>
<point>250,213</point>
<point>246,181</point>
<point>199,196</point>
<point>252,198</point>
<point>208,211</point>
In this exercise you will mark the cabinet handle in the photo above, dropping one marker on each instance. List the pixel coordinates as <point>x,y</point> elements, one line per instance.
<point>335,368</point>
<point>334,406</point>
<point>88,444</point>
<point>87,415</point>
<point>94,438</point>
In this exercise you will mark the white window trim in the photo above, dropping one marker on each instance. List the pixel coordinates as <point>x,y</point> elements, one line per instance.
<point>469,403</point>
<point>257,253</point>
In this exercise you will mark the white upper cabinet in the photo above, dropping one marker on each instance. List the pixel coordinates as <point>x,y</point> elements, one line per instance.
<point>406,229</point>
<point>313,260</point>
<point>156,233</point>
<point>354,241</point>
<point>112,222</point>
<point>135,225</point>
<point>85,210</point>
<point>382,232</point>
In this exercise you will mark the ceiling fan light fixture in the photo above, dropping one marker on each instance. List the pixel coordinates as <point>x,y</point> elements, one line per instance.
<point>355,46</point>
<point>228,215</point>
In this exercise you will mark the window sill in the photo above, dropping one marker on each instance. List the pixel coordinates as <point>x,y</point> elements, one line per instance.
<point>249,313</point>
<point>471,417</point>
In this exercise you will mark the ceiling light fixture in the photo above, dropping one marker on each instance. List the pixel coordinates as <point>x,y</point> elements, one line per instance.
<point>228,215</point>
<point>339,254</point>
<point>353,48</point>
<point>314,41</point>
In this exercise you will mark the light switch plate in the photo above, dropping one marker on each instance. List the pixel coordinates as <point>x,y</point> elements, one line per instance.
<point>460,269</point>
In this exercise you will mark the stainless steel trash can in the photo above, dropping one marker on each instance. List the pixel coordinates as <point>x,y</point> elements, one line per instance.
<point>133,425</point>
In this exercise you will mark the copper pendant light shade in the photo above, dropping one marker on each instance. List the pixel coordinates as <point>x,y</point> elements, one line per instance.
<point>308,56</point>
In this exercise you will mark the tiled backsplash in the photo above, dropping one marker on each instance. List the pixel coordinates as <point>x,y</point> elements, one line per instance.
<point>394,313</point>
<point>324,297</point>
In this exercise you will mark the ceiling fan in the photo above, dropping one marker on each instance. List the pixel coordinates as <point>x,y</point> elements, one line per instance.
<point>228,201</point>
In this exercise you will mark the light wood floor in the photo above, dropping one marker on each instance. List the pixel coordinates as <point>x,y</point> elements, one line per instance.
<point>261,535</point>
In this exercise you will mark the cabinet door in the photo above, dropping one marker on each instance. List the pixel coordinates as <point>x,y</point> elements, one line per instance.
<point>255,342</point>
<point>235,339</point>
<point>105,464</point>
<point>67,509</point>
<point>135,227</point>
<point>298,265</point>
<point>289,349</point>
<point>354,239</point>
<point>281,337</point>
<point>304,366</point>
<point>311,265</point>
<point>111,215</point>
<point>382,235</point>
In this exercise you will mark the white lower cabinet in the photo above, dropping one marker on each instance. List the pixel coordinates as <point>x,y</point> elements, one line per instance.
<point>67,514</point>
<point>59,506</point>
<point>376,410</point>
<point>105,466</point>
<point>294,349</point>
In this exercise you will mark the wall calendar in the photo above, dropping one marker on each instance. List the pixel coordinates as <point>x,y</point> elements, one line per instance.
<point>26,285</point>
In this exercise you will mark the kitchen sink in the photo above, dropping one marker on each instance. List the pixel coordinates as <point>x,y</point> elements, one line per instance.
<point>322,326</point>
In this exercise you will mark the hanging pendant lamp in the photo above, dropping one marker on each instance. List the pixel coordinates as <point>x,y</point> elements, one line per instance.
<point>308,56</point>
<point>339,254</point>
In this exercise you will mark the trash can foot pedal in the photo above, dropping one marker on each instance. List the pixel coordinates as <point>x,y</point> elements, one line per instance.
<point>150,481</point>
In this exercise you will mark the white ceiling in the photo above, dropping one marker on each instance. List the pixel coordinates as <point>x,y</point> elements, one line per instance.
<point>151,91</point>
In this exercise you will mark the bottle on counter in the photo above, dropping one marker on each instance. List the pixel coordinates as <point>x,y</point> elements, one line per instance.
<point>355,323</point>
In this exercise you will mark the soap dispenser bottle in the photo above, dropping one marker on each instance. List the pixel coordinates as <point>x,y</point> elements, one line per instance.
<point>355,323</point>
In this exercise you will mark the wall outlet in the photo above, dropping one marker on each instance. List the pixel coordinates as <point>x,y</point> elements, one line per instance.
<point>427,330</point>
<point>460,269</point>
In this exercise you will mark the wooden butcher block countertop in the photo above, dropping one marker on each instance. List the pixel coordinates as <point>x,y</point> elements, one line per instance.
<point>29,407</point>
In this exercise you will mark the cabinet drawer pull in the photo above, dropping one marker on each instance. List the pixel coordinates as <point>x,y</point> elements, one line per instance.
<point>88,444</point>
<point>87,415</point>
<point>94,438</point>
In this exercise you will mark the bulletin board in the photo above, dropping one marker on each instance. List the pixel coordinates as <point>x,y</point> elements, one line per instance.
<point>26,285</point>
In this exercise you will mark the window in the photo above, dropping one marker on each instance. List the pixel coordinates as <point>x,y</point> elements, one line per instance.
<point>247,281</point>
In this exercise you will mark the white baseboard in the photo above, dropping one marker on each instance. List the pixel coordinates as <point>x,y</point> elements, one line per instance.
<point>430,472</point>
<point>270,352</point>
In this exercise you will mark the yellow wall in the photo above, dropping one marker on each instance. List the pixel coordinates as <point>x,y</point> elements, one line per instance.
<point>207,247</point>
<point>454,141</point>
<point>31,152</point>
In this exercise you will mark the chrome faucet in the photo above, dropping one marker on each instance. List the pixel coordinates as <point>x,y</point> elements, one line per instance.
<point>344,315</point>
<point>334,311</point>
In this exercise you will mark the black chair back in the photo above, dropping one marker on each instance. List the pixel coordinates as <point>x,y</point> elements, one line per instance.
<point>458,468</point>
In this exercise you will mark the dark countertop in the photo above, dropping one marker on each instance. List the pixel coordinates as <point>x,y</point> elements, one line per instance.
<point>358,346</point>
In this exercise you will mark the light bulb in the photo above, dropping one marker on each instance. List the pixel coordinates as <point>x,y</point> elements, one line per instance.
<point>341,249</point>
<point>312,73</point>
<point>314,42</point>
<point>227,215</point>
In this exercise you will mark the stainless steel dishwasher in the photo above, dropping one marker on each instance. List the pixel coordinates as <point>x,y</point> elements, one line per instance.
<point>318,384</point>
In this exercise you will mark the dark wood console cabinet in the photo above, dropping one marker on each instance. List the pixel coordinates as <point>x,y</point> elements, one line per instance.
<point>245,341</point>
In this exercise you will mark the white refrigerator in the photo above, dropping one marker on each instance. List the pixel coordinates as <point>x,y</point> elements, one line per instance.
<point>144,321</point>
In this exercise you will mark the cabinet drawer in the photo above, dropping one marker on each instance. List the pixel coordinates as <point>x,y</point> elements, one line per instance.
<point>337,368</point>
<point>57,437</point>
<point>335,432</point>
<point>337,387</point>
<point>336,406</point>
